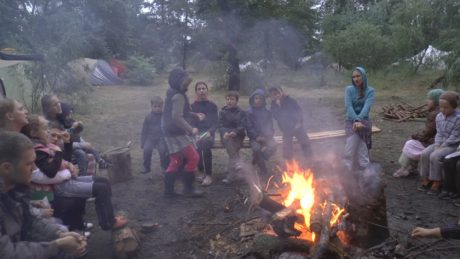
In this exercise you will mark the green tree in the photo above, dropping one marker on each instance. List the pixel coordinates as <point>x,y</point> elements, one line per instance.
<point>360,44</point>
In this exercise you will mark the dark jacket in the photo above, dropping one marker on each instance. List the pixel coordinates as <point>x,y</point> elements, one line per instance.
<point>151,129</point>
<point>288,114</point>
<point>23,235</point>
<point>209,109</point>
<point>232,120</point>
<point>426,137</point>
<point>48,161</point>
<point>259,121</point>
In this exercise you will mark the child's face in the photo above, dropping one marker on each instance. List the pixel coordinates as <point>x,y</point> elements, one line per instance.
<point>55,136</point>
<point>445,108</point>
<point>231,101</point>
<point>157,107</point>
<point>276,96</point>
<point>259,101</point>
<point>201,91</point>
<point>41,132</point>
<point>55,105</point>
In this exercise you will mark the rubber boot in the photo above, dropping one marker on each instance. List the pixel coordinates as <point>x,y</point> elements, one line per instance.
<point>189,190</point>
<point>169,180</point>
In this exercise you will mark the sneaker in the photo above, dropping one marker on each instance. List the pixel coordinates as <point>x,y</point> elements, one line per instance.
<point>425,186</point>
<point>445,195</point>
<point>226,180</point>
<point>200,178</point>
<point>145,171</point>
<point>402,172</point>
<point>207,181</point>
<point>435,188</point>
<point>454,195</point>
<point>456,203</point>
<point>88,225</point>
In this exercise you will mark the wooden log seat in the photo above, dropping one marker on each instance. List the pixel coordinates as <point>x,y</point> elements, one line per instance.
<point>314,136</point>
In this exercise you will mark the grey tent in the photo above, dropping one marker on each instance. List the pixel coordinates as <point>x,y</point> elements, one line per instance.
<point>103,74</point>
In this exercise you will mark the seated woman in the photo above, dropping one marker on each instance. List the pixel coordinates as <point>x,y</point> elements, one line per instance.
<point>61,113</point>
<point>419,141</point>
<point>446,141</point>
<point>205,121</point>
<point>49,159</point>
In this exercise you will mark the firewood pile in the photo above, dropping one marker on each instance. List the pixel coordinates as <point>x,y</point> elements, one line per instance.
<point>404,112</point>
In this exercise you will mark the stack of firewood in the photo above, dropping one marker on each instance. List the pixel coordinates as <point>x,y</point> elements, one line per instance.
<point>403,112</point>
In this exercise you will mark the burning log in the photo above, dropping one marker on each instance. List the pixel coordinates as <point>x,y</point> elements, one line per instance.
<point>322,245</point>
<point>283,218</point>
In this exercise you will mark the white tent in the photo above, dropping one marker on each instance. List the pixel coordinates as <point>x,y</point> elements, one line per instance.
<point>430,58</point>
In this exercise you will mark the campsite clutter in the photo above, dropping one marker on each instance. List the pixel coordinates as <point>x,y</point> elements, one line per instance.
<point>403,112</point>
<point>96,72</point>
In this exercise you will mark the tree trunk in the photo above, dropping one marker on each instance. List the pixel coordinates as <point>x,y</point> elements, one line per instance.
<point>120,170</point>
<point>233,70</point>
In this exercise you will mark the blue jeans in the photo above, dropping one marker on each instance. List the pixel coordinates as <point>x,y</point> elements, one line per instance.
<point>149,145</point>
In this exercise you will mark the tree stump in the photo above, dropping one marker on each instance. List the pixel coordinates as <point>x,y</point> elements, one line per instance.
<point>126,242</point>
<point>120,170</point>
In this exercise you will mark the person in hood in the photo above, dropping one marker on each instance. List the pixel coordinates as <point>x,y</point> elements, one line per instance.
<point>231,128</point>
<point>179,135</point>
<point>359,99</point>
<point>287,112</point>
<point>259,127</point>
<point>419,141</point>
<point>205,120</point>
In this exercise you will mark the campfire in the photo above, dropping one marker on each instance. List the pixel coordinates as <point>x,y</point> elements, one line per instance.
<point>306,208</point>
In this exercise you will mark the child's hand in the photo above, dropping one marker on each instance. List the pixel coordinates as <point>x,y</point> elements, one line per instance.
<point>74,171</point>
<point>65,136</point>
<point>226,135</point>
<point>47,213</point>
<point>195,131</point>
<point>201,116</point>
<point>232,134</point>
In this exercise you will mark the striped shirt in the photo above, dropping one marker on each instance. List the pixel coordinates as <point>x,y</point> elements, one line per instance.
<point>448,130</point>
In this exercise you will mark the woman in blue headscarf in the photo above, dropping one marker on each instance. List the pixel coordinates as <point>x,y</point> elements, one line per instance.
<point>359,99</point>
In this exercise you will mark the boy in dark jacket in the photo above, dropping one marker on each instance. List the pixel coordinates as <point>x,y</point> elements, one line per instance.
<point>152,136</point>
<point>259,126</point>
<point>288,114</point>
<point>232,133</point>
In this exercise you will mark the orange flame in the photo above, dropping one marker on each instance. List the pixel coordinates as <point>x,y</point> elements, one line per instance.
<point>301,196</point>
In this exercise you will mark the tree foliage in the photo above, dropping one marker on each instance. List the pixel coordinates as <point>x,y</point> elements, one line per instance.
<point>178,33</point>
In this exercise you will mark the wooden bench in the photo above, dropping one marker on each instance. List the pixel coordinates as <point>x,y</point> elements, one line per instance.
<point>314,136</point>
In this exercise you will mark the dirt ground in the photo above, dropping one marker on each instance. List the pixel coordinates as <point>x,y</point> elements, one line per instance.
<point>187,226</point>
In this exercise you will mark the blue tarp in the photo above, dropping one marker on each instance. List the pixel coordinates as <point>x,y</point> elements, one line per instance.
<point>104,75</point>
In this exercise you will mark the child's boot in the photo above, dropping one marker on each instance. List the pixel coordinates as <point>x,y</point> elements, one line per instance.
<point>169,180</point>
<point>190,190</point>
<point>435,188</point>
<point>425,185</point>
